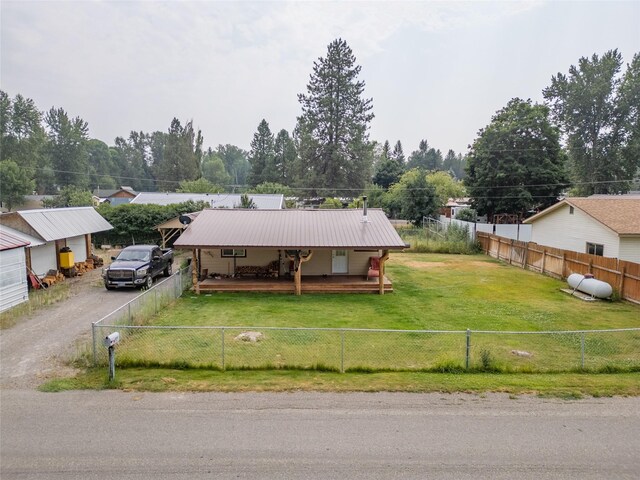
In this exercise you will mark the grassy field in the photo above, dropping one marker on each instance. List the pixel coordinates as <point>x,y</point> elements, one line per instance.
<point>432,292</point>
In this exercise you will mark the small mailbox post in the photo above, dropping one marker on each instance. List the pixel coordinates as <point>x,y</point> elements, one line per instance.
<point>110,342</point>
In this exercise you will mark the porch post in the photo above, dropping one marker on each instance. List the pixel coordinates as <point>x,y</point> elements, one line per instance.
<point>194,271</point>
<point>383,259</point>
<point>298,275</point>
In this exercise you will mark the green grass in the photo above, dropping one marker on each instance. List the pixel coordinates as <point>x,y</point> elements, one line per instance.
<point>565,385</point>
<point>432,292</point>
<point>435,292</point>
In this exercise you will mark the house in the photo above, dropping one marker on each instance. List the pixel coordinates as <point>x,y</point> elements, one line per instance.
<point>171,229</point>
<point>606,226</point>
<point>55,228</point>
<point>320,250</point>
<point>124,194</point>
<point>453,206</point>
<point>215,200</point>
<point>13,268</point>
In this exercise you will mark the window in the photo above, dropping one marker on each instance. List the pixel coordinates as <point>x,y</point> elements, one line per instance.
<point>570,210</point>
<point>234,252</point>
<point>595,249</point>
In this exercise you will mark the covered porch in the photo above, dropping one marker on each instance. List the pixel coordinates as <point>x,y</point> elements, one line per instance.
<point>309,284</point>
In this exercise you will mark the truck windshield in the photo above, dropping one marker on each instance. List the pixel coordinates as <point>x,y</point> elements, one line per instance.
<point>135,255</point>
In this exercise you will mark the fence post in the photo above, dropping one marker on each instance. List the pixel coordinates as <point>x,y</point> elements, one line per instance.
<point>155,298</point>
<point>95,346</point>
<point>129,308</point>
<point>342,351</point>
<point>582,351</point>
<point>468,348</point>
<point>222,350</point>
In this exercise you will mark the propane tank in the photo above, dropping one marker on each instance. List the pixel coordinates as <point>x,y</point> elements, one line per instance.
<point>588,284</point>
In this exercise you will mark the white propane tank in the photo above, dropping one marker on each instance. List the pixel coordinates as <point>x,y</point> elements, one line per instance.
<point>588,284</point>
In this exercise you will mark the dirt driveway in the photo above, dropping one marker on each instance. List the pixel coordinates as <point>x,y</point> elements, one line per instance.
<point>37,347</point>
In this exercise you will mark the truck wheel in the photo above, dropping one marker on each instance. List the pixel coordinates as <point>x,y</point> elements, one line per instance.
<point>109,287</point>
<point>148,282</point>
<point>168,271</point>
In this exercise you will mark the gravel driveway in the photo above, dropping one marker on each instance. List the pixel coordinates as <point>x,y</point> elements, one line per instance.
<point>37,347</point>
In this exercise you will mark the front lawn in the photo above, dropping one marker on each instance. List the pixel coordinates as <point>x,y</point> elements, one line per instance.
<point>431,292</point>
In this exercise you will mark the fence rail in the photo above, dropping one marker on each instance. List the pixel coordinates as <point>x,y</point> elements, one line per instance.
<point>623,276</point>
<point>345,349</point>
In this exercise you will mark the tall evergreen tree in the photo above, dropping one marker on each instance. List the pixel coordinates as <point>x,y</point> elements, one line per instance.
<point>334,146</point>
<point>418,158</point>
<point>68,148</point>
<point>397,154</point>
<point>261,156</point>
<point>589,105</point>
<point>182,155</point>
<point>284,157</point>
<point>516,164</point>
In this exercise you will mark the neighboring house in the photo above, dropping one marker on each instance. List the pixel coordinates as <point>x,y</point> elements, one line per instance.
<point>320,244</point>
<point>56,228</point>
<point>605,226</point>
<point>13,268</point>
<point>124,194</point>
<point>453,206</point>
<point>215,200</point>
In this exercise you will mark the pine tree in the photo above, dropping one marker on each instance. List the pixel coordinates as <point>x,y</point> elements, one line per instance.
<point>332,132</point>
<point>261,156</point>
<point>398,155</point>
<point>284,158</point>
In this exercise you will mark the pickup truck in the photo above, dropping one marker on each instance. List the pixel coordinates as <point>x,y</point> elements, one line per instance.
<point>137,266</point>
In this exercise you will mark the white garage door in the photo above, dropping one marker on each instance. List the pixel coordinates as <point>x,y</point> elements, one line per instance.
<point>78,247</point>
<point>43,258</point>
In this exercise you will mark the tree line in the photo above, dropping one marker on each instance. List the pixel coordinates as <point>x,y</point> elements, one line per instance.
<point>583,139</point>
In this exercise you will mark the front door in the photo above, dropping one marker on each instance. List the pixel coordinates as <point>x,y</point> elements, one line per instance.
<point>339,261</point>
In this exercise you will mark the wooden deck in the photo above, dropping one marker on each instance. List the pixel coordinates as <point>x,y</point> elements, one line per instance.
<point>311,284</point>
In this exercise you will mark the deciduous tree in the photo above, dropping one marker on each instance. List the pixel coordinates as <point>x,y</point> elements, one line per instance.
<point>15,183</point>
<point>593,110</point>
<point>516,164</point>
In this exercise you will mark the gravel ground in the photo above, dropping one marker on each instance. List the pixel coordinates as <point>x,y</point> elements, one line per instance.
<point>37,348</point>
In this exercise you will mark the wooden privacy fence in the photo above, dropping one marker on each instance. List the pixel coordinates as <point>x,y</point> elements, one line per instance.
<point>623,276</point>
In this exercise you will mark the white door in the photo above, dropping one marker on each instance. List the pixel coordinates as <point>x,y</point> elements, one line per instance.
<point>339,261</point>
<point>78,246</point>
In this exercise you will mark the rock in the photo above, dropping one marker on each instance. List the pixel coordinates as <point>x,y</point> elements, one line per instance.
<point>249,337</point>
<point>521,353</point>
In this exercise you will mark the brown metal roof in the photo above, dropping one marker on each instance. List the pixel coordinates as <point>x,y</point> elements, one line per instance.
<point>620,214</point>
<point>290,229</point>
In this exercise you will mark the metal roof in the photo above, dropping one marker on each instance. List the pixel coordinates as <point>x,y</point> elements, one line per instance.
<point>57,223</point>
<point>291,229</point>
<point>10,238</point>
<point>617,212</point>
<point>215,200</point>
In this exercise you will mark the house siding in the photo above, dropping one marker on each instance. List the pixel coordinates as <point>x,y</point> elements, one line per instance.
<point>43,258</point>
<point>560,229</point>
<point>78,246</point>
<point>13,278</point>
<point>319,264</point>
<point>630,249</point>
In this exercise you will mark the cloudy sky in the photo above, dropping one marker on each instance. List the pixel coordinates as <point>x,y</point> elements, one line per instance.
<point>435,70</point>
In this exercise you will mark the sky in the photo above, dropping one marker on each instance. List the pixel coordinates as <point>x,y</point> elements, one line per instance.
<point>435,70</point>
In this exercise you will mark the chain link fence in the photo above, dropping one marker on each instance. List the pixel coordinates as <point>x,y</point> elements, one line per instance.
<point>342,350</point>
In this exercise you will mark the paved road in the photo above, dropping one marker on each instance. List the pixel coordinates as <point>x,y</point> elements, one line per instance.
<point>110,434</point>
<point>38,347</point>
